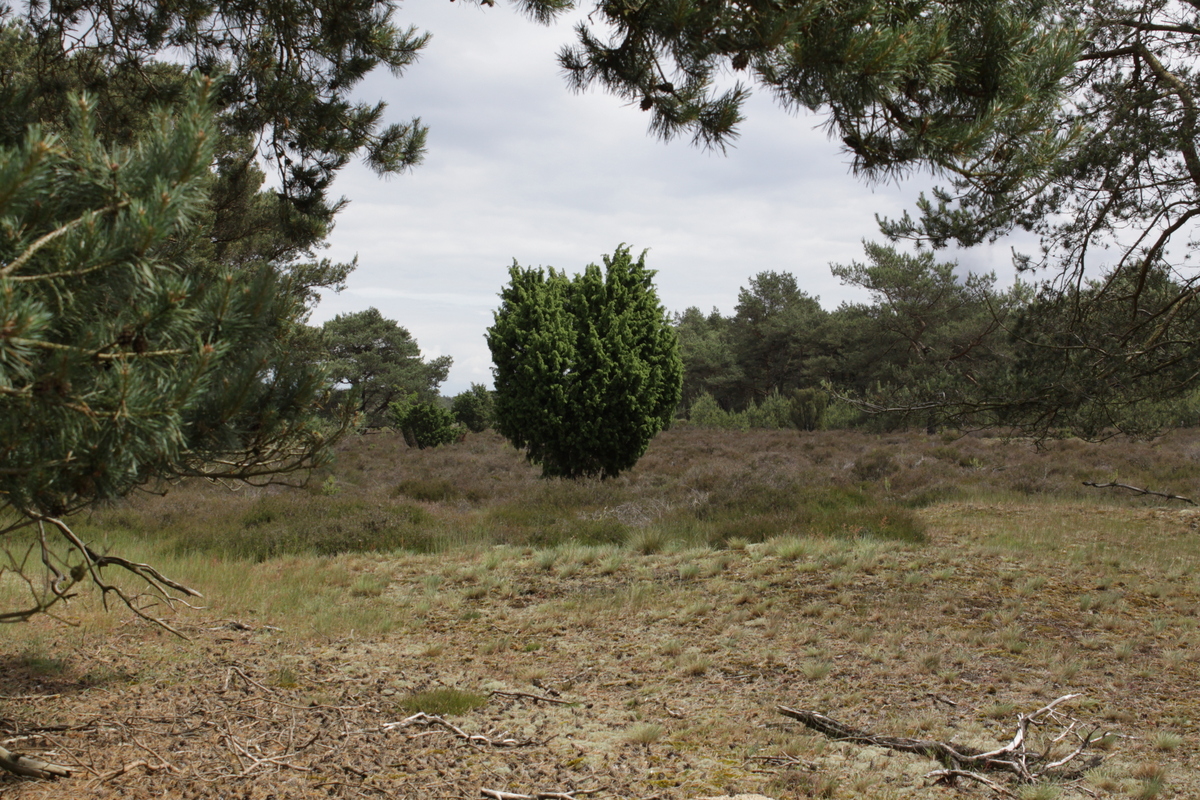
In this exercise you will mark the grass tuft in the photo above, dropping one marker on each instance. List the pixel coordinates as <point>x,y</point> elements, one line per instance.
<point>442,702</point>
<point>644,733</point>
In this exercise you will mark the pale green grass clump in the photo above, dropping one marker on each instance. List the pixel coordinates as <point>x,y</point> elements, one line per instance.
<point>442,702</point>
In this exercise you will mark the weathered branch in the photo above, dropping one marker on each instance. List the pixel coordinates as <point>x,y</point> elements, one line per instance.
<point>421,718</point>
<point>499,794</point>
<point>961,761</point>
<point>950,775</point>
<point>1135,489</point>
<point>30,767</point>
<point>530,696</point>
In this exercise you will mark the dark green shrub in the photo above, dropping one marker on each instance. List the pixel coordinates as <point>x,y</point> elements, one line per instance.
<point>587,368</point>
<point>425,424</point>
<point>473,408</point>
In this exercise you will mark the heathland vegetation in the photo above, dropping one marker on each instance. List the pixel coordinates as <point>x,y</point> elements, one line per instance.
<point>913,585</point>
<point>154,295</point>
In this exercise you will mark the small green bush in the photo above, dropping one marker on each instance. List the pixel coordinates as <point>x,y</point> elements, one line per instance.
<point>707,413</point>
<point>774,413</point>
<point>425,424</point>
<point>473,408</point>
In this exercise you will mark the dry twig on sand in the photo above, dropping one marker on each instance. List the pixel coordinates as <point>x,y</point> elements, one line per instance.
<point>421,718</point>
<point>1016,757</point>
<point>498,794</point>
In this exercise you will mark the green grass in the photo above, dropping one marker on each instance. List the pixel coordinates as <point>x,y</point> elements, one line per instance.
<point>442,702</point>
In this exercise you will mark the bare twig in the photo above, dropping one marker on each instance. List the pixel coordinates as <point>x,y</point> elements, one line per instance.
<point>949,775</point>
<point>941,699</point>
<point>962,761</point>
<point>1137,490</point>
<point>421,718</point>
<point>499,693</point>
<point>150,768</point>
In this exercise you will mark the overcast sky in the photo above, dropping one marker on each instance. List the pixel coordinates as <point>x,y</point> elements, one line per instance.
<point>518,167</point>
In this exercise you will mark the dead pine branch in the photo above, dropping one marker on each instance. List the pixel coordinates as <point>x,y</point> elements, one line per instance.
<point>1138,490</point>
<point>421,718</point>
<point>530,696</point>
<point>1017,758</point>
<point>499,794</point>
<point>950,775</point>
<point>30,767</point>
<point>61,576</point>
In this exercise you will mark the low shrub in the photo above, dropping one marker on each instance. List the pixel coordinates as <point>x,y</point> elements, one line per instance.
<point>295,524</point>
<point>426,425</point>
<point>430,490</point>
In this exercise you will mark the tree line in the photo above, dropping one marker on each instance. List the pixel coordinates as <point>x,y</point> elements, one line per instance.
<point>933,347</point>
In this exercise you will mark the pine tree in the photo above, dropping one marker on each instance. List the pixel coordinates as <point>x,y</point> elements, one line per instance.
<point>120,361</point>
<point>380,361</point>
<point>587,369</point>
<point>474,408</point>
<point>931,82</point>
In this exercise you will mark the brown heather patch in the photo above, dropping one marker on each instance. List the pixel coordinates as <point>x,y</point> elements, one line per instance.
<point>1026,586</point>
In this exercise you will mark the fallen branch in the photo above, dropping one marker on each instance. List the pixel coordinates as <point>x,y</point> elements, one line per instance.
<point>962,761</point>
<point>499,693</point>
<point>421,718</point>
<point>31,767</point>
<point>844,733</point>
<point>949,776</point>
<point>1138,490</point>
<point>498,794</point>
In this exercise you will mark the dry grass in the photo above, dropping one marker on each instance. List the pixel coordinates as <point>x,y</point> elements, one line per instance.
<point>675,607</point>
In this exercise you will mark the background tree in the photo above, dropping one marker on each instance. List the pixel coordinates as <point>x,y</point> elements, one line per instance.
<point>777,340</point>
<point>778,336</point>
<point>932,82</point>
<point>474,408</point>
<point>587,369</point>
<point>709,364</point>
<point>808,408</point>
<point>927,336</point>
<point>380,361</point>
